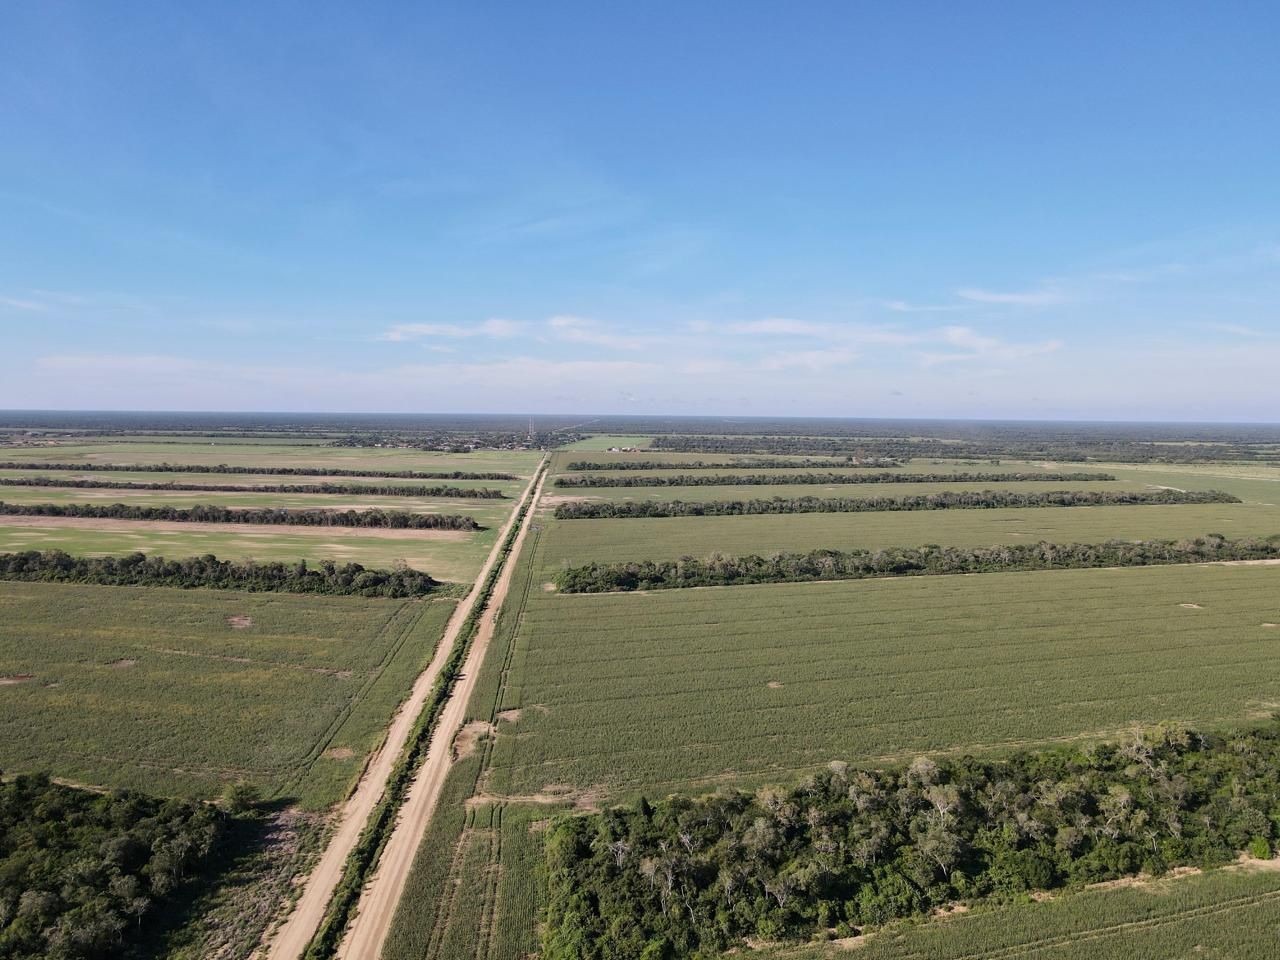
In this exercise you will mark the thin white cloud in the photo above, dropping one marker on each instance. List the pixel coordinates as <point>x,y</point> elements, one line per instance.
<point>809,360</point>
<point>971,345</point>
<point>16,303</point>
<point>573,329</point>
<point>831,332</point>
<point>495,328</point>
<point>1025,298</point>
<point>902,306</point>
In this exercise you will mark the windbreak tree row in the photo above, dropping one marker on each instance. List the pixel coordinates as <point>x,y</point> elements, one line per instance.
<point>205,513</point>
<point>719,571</point>
<point>263,471</point>
<point>138,569</point>
<point>349,489</point>
<point>948,500</point>
<point>850,848</point>
<point>759,464</point>
<point>1073,450</point>
<point>774,479</point>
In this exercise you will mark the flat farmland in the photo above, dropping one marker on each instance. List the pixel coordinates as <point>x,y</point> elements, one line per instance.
<point>518,462</point>
<point>851,490</point>
<point>181,691</point>
<point>574,542</point>
<point>487,512</point>
<point>1232,914</point>
<point>452,555</point>
<point>511,488</point>
<point>686,689</point>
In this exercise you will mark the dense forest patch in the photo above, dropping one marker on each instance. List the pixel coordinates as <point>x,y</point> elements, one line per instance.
<point>84,874</point>
<point>849,848</point>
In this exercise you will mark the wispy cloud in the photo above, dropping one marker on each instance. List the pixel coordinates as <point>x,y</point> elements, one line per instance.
<point>496,329</point>
<point>830,332</point>
<point>31,306</point>
<point>1024,298</point>
<point>573,329</point>
<point>968,345</point>
<point>809,360</point>
<point>902,306</point>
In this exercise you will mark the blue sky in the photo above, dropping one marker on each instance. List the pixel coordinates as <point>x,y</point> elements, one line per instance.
<point>842,209</point>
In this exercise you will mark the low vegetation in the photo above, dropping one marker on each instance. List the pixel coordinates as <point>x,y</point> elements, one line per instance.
<point>83,875</point>
<point>140,570</point>
<point>826,479</point>
<point>947,500</point>
<point>208,513</point>
<point>739,464</point>
<point>355,490</point>
<point>266,471</point>
<point>849,848</point>
<point>718,571</point>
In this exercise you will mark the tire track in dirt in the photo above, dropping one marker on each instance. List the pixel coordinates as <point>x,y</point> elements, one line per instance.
<point>300,926</point>
<point>368,930</point>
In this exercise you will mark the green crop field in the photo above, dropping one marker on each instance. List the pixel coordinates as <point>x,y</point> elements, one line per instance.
<point>663,692</point>
<point>574,542</point>
<point>486,512</point>
<point>511,488</point>
<point>783,489</point>
<point>445,554</point>
<point>174,691</point>
<point>209,453</point>
<point>1229,914</point>
<point>603,443</point>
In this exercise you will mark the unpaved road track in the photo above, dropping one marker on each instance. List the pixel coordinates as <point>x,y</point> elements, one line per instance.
<point>292,938</point>
<point>368,930</point>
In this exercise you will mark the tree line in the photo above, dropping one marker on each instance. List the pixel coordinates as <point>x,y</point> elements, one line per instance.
<point>350,489</point>
<point>141,570</point>
<point>719,571</point>
<point>773,479</point>
<point>947,500</point>
<point>84,873</point>
<point>208,513</point>
<point>1065,449</point>
<point>795,463</point>
<point>264,471</point>
<point>849,848</point>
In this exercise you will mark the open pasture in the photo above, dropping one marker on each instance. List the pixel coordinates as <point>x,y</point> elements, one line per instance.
<point>519,462</point>
<point>445,554</point>
<point>173,691</point>
<point>688,689</point>
<point>511,488</point>
<point>788,490</point>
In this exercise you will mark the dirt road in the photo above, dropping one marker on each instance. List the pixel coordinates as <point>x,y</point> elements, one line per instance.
<point>301,925</point>
<point>368,930</point>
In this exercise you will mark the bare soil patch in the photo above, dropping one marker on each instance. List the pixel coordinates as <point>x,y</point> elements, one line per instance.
<point>511,716</point>
<point>240,622</point>
<point>1190,606</point>
<point>548,587</point>
<point>1271,624</point>
<point>124,663</point>
<point>13,679</point>
<point>469,737</point>
<point>774,685</point>
<point>338,753</point>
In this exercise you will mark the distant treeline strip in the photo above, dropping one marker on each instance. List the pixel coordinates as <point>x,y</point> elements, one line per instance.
<point>806,463</point>
<point>140,570</point>
<point>947,500</point>
<point>206,513</point>
<point>263,471</point>
<point>721,571</point>
<point>350,489</point>
<point>773,479</point>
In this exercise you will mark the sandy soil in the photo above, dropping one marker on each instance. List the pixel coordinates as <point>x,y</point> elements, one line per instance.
<point>293,936</point>
<point>368,930</point>
<point>267,529</point>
